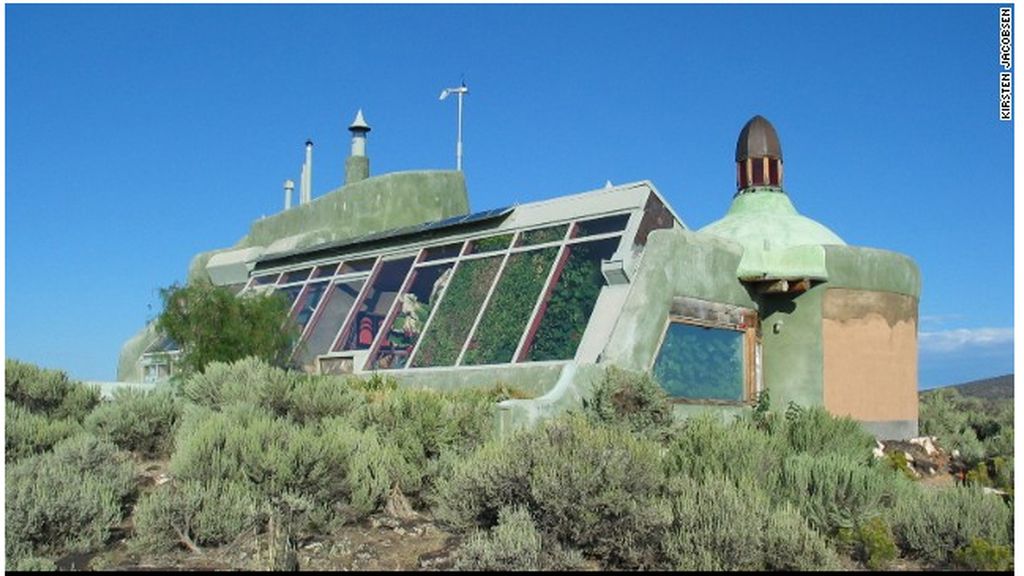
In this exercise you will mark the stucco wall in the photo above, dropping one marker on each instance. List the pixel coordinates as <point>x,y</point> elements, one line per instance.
<point>870,355</point>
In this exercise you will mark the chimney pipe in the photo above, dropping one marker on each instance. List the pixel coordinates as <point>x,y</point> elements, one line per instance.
<point>357,165</point>
<point>288,187</point>
<point>307,175</point>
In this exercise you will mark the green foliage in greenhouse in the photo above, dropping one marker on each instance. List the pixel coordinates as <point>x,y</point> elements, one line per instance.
<point>568,310</point>
<point>508,311</point>
<point>491,244</point>
<point>543,235</point>
<point>456,312</point>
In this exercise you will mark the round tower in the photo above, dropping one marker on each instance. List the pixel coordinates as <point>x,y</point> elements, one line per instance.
<point>357,166</point>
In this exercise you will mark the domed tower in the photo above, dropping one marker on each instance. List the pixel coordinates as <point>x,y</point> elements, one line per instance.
<point>838,323</point>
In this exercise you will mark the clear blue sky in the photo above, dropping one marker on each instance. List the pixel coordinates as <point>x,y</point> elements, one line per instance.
<point>138,136</point>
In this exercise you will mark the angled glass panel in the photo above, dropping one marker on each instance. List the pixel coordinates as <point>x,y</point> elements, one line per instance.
<point>456,312</point>
<point>442,252</point>
<point>376,304</point>
<point>489,244</point>
<point>339,300</point>
<point>565,314</point>
<point>364,265</point>
<point>296,276</point>
<point>265,279</point>
<point>604,225</point>
<point>325,271</point>
<point>700,363</point>
<point>308,302</point>
<point>542,235</point>
<point>415,306</point>
<point>509,309</point>
<point>290,293</point>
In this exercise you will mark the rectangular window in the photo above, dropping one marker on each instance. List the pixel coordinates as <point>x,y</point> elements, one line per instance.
<point>376,304</point>
<point>566,310</point>
<point>296,276</point>
<point>364,265</point>
<point>509,309</point>
<point>702,363</point>
<point>339,300</point>
<point>325,271</point>
<point>542,235</point>
<point>414,309</point>
<point>456,312</point>
<point>442,252</point>
<point>265,279</point>
<point>490,244</point>
<point>604,225</point>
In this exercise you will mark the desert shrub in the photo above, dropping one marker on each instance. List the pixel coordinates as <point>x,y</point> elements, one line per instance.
<point>932,525</point>
<point>593,488</point>
<point>67,499</point>
<point>815,431</point>
<point>136,420</point>
<point>423,424</point>
<point>982,555</point>
<point>312,398</point>
<point>836,490</point>
<point>791,545</point>
<point>716,526</point>
<point>211,324</point>
<point>871,543</point>
<point>194,512</point>
<point>374,468</point>
<point>1002,473</point>
<point>28,433</point>
<point>48,392</point>
<point>897,460</point>
<point>35,564</point>
<point>514,544</point>
<point>705,446</point>
<point>632,399</point>
<point>249,380</point>
<point>972,451</point>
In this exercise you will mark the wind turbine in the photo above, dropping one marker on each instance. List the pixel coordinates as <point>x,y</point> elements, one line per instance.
<point>461,91</point>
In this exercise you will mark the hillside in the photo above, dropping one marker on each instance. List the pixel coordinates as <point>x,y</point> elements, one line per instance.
<point>997,388</point>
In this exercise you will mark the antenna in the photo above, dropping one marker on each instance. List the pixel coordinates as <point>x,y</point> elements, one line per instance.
<point>460,91</point>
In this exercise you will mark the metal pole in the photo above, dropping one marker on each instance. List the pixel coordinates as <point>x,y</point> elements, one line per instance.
<point>458,144</point>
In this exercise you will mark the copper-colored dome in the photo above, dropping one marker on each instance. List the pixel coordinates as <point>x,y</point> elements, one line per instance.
<point>758,140</point>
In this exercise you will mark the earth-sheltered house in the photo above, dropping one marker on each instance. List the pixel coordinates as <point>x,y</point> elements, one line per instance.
<point>392,273</point>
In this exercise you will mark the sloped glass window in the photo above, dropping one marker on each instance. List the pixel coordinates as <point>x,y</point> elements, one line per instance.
<point>442,252</point>
<point>364,265</point>
<point>490,244</point>
<point>414,309</point>
<point>290,293</point>
<point>542,235</point>
<point>456,313</point>
<point>308,303</point>
<point>265,279</point>
<point>339,301</point>
<point>509,309</point>
<point>296,276</point>
<point>701,363</point>
<point>376,304</point>
<point>325,271</point>
<point>565,314</point>
<point>605,225</point>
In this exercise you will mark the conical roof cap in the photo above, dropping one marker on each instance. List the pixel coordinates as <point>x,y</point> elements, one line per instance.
<point>758,140</point>
<point>359,124</point>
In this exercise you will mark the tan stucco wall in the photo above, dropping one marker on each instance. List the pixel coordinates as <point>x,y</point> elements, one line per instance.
<point>870,354</point>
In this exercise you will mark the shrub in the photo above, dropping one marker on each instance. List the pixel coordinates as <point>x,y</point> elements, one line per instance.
<point>249,380</point>
<point>48,392</point>
<point>932,525</point>
<point>836,490</point>
<point>596,489</point>
<point>195,514</point>
<point>815,431</point>
<point>514,544</point>
<point>312,398</point>
<point>35,564</point>
<point>373,469</point>
<point>211,324</point>
<point>982,555</point>
<point>872,543</point>
<point>67,499</point>
<point>140,421</point>
<point>28,433</point>
<point>791,545</point>
<point>705,446</point>
<point>632,399</point>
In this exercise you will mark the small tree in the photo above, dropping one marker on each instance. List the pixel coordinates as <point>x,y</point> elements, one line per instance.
<point>210,323</point>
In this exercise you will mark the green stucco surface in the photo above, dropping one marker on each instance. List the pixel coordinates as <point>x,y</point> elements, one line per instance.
<point>532,379</point>
<point>777,241</point>
<point>872,269</point>
<point>791,348</point>
<point>675,263</point>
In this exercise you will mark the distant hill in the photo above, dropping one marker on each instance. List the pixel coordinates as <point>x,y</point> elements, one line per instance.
<point>998,388</point>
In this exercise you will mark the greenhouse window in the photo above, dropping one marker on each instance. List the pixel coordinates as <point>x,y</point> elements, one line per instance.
<point>456,312</point>
<point>489,244</point>
<point>325,271</point>
<point>605,225</point>
<point>364,265</point>
<point>414,308</point>
<point>308,302</point>
<point>509,309</point>
<point>564,315</point>
<point>542,235</point>
<point>442,252</point>
<point>325,326</point>
<point>366,323</point>
<point>296,276</point>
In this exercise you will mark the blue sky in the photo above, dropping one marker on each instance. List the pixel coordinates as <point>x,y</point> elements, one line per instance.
<point>138,136</point>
